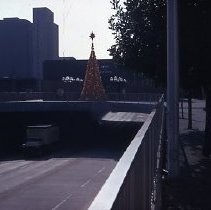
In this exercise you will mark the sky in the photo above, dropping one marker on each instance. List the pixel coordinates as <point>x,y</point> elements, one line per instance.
<point>76,20</point>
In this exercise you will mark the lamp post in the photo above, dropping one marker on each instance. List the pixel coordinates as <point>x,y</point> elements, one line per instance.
<point>172,87</point>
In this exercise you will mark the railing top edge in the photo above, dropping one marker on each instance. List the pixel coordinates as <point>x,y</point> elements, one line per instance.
<point>108,193</point>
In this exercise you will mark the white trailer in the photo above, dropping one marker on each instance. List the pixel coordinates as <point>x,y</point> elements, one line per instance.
<point>40,138</point>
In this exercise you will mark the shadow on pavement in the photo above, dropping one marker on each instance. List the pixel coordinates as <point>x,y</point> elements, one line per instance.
<point>193,189</point>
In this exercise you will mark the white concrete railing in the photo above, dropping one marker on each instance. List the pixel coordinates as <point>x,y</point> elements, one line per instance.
<point>135,182</point>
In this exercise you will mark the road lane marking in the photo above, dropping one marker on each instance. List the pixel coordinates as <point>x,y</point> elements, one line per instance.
<point>29,174</point>
<point>85,183</point>
<point>62,202</point>
<point>89,180</point>
<point>101,170</point>
<point>8,167</point>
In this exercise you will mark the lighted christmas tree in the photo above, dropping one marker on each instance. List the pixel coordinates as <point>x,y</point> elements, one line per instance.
<point>93,88</point>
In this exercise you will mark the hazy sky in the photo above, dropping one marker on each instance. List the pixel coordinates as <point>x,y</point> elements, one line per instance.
<point>76,20</point>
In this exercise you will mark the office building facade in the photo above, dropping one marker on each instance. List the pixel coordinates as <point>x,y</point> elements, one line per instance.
<point>25,45</point>
<point>45,42</point>
<point>16,59</point>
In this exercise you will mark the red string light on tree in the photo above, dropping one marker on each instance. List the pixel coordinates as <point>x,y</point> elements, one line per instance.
<point>93,88</point>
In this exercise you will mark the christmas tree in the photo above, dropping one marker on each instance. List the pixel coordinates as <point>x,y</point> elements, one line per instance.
<point>93,88</point>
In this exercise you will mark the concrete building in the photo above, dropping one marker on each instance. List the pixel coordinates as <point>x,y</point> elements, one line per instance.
<point>25,45</point>
<point>45,43</point>
<point>16,60</point>
<point>67,72</point>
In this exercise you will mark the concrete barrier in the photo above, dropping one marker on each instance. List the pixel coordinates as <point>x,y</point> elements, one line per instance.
<point>135,182</point>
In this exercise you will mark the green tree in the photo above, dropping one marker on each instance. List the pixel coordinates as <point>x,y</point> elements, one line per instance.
<point>195,44</point>
<point>139,29</point>
<point>188,51</point>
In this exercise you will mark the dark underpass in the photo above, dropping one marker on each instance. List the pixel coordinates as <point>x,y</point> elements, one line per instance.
<point>79,131</point>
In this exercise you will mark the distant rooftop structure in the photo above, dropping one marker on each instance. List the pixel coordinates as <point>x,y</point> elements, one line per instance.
<point>43,14</point>
<point>67,58</point>
<point>11,18</point>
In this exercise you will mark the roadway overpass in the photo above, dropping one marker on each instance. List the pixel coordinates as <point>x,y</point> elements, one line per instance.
<point>74,173</point>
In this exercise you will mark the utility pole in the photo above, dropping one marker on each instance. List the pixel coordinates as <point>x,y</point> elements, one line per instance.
<point>172,88</point>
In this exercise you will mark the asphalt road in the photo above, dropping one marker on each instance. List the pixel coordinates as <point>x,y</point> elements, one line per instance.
<point>69,177</point>
<point>56,183</point>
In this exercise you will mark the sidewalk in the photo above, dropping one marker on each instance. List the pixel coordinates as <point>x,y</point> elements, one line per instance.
<point>192,190</point>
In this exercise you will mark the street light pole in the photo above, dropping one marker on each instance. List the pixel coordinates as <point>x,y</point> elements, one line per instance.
<point>172,87</point>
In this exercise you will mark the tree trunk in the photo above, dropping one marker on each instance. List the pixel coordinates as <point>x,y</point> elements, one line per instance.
<point>182,107</point>
<point>182,110</point>
<point>207,142</point>
<point>202,93</point>
<point>189,110</point>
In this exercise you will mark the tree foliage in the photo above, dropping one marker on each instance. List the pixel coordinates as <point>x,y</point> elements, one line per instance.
<point>195,46</point>
<point>139,29</point>
<point>194,16</point>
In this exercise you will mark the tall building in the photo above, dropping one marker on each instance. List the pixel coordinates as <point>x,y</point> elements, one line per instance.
<point>24,45</point>
<point>45,43</point>
<point>16,60</point>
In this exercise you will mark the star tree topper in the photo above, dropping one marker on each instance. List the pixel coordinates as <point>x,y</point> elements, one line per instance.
<point>92,36</point>
<point>92,88</point>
